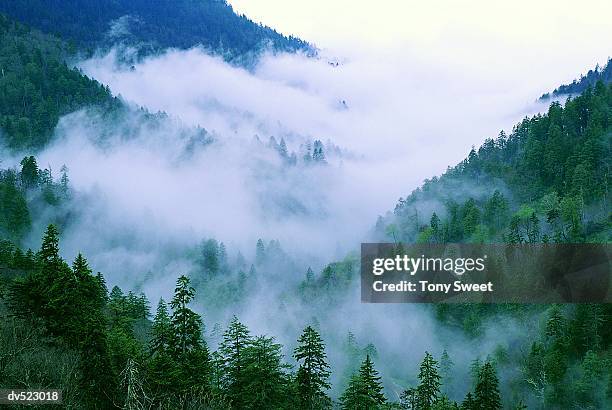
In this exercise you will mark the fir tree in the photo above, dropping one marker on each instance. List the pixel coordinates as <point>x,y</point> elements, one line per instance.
<point>188,349</point>
<point>468,402</point>
<point>487,396</point>
<point>260,253</point>
<point>429,386</point>
<point>161,331</point>
<point>446,368</point>
<point>266,383</point>
<point>313,373</point>
<point>236,340</point>
<point>364,390</point>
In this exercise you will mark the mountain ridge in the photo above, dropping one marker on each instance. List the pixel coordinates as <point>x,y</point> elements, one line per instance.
<point>153,26</point>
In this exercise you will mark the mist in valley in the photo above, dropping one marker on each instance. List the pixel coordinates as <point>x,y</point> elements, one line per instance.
<point>148,190</point>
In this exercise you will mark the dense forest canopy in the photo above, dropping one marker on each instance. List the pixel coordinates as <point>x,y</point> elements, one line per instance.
<point>548,180</point>
<point>108,348</point>
<point>589,80</point>
<point>37,87</point>
<point>62,326</point>
<point>154,25</point>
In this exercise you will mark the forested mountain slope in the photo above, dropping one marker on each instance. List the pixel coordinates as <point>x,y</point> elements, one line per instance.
<point>37,86</point>
<point>155,24</point>
<point>104,349</point>
<point>548,180</point>
<point>589,80</point>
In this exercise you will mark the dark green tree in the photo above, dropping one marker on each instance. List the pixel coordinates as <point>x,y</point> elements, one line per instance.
<point>365,390</point>
<point>313,374</point>
<point>428,389</point>
<point>232,349</point>
<point>487,396</point>
<point>188,348</point>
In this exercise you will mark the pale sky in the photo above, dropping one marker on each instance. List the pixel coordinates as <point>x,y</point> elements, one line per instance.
<point>556,39</point>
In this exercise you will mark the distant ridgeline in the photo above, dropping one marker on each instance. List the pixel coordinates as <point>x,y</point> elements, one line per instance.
<point>548,181</point>
<point>585,81</point>
<point>152,25</point>
<point>37,87</point>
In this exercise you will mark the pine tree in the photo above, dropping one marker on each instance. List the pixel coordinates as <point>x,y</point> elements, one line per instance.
<point>64,180</point>
<point>475,371</point>
<point>282,149</point>
<point>469,403</point>
<point>260,253</point>
<point>353,397</point>
<point>161,331</point>
<point>428,389</point>
<point>163,371</point>
<point>409,399</point>
<point>446,368</point>
<point>30,174</point>
<point>533,233</point>
<point>487,396</point>
<point>434,223</point>
<point>364,390</point>
<point>49,251</point>
<point>266,383</point>
<point>236,340</point>
<point>186,324</point>
<point>210,256</point>
<point>309,275</point>
<point>318,155</point>
<point>313,373</point>
<point>188,349</point>
<point>556,327</point>
<point>81,268</point>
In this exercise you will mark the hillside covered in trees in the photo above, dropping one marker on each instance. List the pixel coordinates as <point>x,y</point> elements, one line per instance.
<point>579,85</point>
<point>108,349</point>
<point>153,25</point>
<point>37,87</point>
<point>547,181</point>
<point>62,326</point>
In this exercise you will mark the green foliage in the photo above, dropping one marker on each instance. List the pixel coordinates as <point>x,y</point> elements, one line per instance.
<point>428,389</point>
<point>37,87</point>
<point>553,165</point>
<point>160,24</point>
<point>313,373</point>
<point>233,358</point>
<point>265,377</point>
<point>578,86</point>
<point>365,391</point>
<point>487,396</point>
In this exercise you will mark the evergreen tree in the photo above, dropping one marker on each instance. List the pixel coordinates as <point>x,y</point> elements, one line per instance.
<point>30,176</point>
<point>409,399</point>
<point>313,373</point>
<point>446,368</point>
<point>487,396</point>
<point>161,331</point>
<point>428,389</point>
<point>260,253</point>
<point>188,349</point>
<point>282,149</point>
<point>469,403</point>
<point>210,256</point>
<point>318,155</point>
<point>236,340</point>
<point>364,390</point>
<point>266,383</point>
<point>435,226</point>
